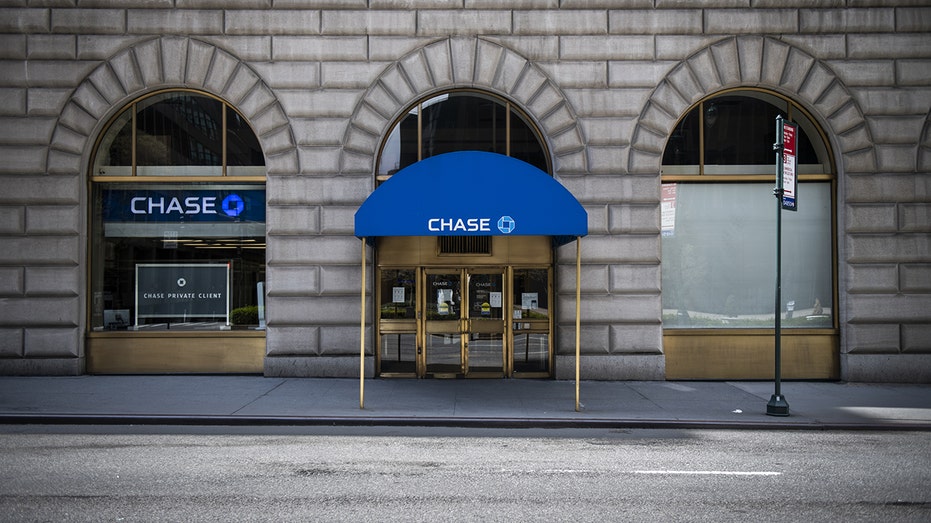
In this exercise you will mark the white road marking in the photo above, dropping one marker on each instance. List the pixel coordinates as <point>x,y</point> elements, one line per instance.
<point>710,472</point>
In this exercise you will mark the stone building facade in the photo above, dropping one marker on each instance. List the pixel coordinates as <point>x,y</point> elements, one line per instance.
<point>604,82</point>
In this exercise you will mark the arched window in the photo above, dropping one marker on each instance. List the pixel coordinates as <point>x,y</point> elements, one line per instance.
<point>718,219</point>
<point>178,218</point>
<point>460,121</point>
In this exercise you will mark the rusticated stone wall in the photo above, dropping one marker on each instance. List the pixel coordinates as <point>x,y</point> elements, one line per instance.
<point>322,81</point>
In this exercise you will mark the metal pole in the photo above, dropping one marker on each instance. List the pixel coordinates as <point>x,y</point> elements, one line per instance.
<point>578,321</point>
<point>777,405</point>
<point>362,337</point>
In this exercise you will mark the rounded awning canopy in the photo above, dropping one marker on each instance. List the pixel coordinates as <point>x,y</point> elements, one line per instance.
<point>472,193</point>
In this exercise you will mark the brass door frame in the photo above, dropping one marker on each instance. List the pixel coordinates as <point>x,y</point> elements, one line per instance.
<point>464,325</point>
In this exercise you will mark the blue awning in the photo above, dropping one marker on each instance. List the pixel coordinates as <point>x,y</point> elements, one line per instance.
<point>472,193</point>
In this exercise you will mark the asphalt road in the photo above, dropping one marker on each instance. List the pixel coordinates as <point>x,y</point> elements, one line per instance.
<point>410,474</point>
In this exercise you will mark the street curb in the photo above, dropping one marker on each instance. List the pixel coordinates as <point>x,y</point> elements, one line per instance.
<point>456,422</point>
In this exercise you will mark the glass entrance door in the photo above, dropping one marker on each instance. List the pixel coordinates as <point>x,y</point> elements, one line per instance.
<point>477,322</point>
<point>444,315</point>
<point>484,342</point>
<point>464,323</point>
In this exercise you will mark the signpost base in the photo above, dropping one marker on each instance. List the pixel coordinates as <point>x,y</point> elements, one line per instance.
<point>777,406</point>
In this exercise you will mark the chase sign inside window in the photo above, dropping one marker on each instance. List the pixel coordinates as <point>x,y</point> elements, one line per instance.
<point>202,205</point>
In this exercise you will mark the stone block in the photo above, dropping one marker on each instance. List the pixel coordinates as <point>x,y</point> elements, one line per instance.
<point>341,280</point>
<point>388,48</point>
<point>272,22</point>
<point>848,20</point>
<point>14,20</point>
<point>594,280</point>
<point>615,190</point>
<point>104,47</point>
<point>637,367</point>
<point>293,280</point>
<point>18,160</point>
<point>57,219</point>
<point>52,47</point>
<point>878,46</point>
<point>50,342</point>
<point>13,102</point>
<point>322,48</point>
<point>293,219</point>
<point>875,218</point>
<point>249,48</point>
<point>636,339</point>
<point>84,21</point>
<point>42,366</point>
<point>369,22</point>
<point>589,103</point>
<point>872,278</point>
<point>628,308</point>
<point>12,283</point>
<point>12,220</point>
<point>637,73</point>
<point>896,158</point>
<point>344,340</point>
<point>42,190</point>
<point>858,73</point>
<point>285,340</point>
<point>912,72</point>
<point>875,338</point>
<point>352,75</point>
<point>887,188</point>
<point>289,75</point>
<point>218,4</point>
<point>171,21</point>
<point>887,308</point>
<point>916,339</point>
<point>317,367</point>
<point>321,161</point>
<point>559,22</point>
<point>338,219</point>
<point>901,130</point>
<point>462,22</point>
<point>577,74</point>
<point>294,250</point>
<point>39,249</point>
<point>915,277</point>
<point>635,279</point>
<point>666,21</point>
<point>607,131</point>
<point>53,281</point>
<point>677,47</point>
<point>11,343</point>
<point>607,160</point>
<point>572,47</point>
<point>535,48</point>
<point>327,103</point>
<point>57,73</point>
<point>750,21</point>
<point>886,368</point>
<point>823,46</point>
<point>317,311</point>
<point>41,311</point>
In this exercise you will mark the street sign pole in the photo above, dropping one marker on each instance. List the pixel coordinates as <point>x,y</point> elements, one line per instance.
<point>778,406</point>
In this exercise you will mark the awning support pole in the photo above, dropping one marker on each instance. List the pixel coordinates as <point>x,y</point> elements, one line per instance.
<point>362,337</point>
<point>578,309</point>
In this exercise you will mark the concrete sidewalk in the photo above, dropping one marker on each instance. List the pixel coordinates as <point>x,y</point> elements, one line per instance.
<point>256,400</point>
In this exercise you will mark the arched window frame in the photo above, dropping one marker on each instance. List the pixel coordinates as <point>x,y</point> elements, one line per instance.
<point>244,177</point>
<point>699,174</point>
<point>416,109</point>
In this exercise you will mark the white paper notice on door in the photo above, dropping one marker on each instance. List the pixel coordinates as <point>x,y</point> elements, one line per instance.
<point>494,299</point>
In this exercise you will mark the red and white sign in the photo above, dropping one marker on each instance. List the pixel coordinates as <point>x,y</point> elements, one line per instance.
<point>789,165</point>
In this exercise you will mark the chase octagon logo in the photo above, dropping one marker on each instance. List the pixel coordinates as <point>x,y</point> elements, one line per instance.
<point>506,224</point>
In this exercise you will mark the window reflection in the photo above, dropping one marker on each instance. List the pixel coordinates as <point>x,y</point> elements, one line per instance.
<point>460,121</point>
